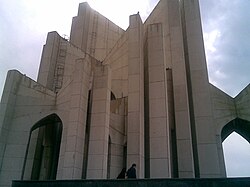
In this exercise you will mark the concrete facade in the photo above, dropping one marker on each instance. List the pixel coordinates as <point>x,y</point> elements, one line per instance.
<point>107,98</point>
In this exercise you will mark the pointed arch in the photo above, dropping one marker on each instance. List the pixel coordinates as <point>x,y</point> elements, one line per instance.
<point>42,151</point>
<point>236,154</point>
<point>240,126</point>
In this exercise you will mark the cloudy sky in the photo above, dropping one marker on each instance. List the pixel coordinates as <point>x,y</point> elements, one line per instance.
<point>24,25</point>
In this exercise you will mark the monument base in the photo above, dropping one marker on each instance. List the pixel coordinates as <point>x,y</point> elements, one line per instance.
<point>208,182</point>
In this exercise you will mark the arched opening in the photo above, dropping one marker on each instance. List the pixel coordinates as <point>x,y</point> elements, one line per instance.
<point>237,156</point>
<point>236,138</point>
<point>42,153</point>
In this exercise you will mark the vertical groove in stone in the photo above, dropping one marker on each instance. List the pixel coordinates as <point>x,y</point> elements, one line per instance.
<point>87,131</point>
<point>173,142</point>
<point>146,112</point>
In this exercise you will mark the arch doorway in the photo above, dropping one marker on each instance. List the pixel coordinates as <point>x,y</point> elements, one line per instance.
<point>42,153</point>
<point>236,138</point>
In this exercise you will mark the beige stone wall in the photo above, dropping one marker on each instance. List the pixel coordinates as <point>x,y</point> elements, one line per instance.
<point>72,54</point>
<point>190,83</point>
<point>118,136</point>
<point>93,33</point>
<point>200,97</point>
<point>72,102</point>
<point>99,128</point>
<point>167,13</point>
<point>242,103</point>
<point>24,102</point>
<point>71,77</point>
<point>50,56</point>
<point>118,61</point>
<point>159,130</point>
<point>162,14</point>
<point>223,107</point>
<point>57,62</point>
<point>31,102</point>
<point>135,133</point>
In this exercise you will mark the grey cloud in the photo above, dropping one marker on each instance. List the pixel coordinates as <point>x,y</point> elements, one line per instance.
<point>229,65</point>
<point>232,47</point>
<point>20,45</point>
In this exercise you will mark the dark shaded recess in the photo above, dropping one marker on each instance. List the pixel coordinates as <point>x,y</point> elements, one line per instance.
<point>240,126</point>
<point>50,131</point>
<point>87,133</point>
<point>146,114</point>
<point>112,96</point>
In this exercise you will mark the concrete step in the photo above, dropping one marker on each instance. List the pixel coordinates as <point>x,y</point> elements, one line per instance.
<point>211,182</point>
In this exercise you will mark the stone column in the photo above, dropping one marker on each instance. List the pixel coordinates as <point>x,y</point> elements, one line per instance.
<point>135,132</point>
<point>73,140</point>
<point>181,97</point>
<point>99,127</point>
<point>206,145</point>
<point>47,67</point>
<point>80,26</point>
<point>11,155</point>
<point>158,114</point>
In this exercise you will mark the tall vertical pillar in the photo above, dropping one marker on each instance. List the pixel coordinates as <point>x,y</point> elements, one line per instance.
<point>48,63</point>
<point>135,132</point>
<point>80,27</point>
<point>99,128</point>
<point>184,143</point>
<point>207,151</point>
<point>158,114</point>
<point>70,161</point>
<point>7,108</point>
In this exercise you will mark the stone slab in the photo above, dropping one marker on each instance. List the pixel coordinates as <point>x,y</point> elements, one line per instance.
<point>215,182</point>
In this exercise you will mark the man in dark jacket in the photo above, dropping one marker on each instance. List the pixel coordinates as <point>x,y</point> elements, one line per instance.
<point>131,173</point>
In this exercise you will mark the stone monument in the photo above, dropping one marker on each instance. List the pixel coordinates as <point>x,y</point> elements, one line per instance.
<point>108,97</point>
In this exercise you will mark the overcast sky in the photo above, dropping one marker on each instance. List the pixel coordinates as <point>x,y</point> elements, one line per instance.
<point>226,31</point>
<point>24,25</point>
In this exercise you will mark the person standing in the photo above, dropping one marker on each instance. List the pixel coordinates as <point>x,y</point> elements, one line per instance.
<point>131,173</point>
